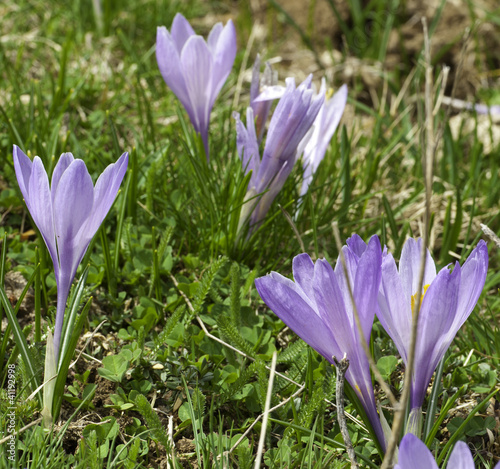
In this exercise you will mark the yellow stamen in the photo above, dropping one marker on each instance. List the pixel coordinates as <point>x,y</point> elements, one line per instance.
<point>328,94</point>
<point>414,299</point>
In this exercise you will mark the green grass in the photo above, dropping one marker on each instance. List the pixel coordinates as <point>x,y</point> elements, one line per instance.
<point>168,265</point>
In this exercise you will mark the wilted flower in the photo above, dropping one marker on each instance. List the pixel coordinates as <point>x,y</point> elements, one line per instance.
<point>324,127</point>
<point>413,454</point>
<point>447,300</point>
<point>196,69</point>
<point>291,121</point>
<point>68,213</point>
<point>317,306</point>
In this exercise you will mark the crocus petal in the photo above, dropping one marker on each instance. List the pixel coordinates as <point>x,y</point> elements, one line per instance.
<point>303,274</point>
<point>409,266</point>
<point>395,309</point>
<point>356,244</point>
<point>105,191</point>
<point>291,305</point>
<point>461,457</point>
<point>73,204</point>
<point>247,144</point>
<point>270,93</point>
<point>40,207</point>
<point>438,309</point>
<point>181,31</point>
<point>169,63</point>
<point>213,37</point>
<point>23,168</point>
<point>223,58</point>
<point>413,454</point>
<point>64,161</point>
<point>196,63</point>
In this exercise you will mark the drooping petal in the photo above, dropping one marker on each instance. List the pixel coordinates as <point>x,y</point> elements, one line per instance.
<point>291,305</point>
<point>40,207</point>
<point>23,168</point>
<point>461,457</point>
<point>413,454</point>
<point>181,31</point>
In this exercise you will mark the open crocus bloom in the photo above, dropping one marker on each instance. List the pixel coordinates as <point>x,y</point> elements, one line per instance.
<point>447,300</point>
<point>68,213</point>
<point>195,69</point>
<point>413,454</point>
<point>291,121</point>
<point>317,306</point>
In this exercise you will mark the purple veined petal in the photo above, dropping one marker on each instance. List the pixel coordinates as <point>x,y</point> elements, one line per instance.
<point>409,266</point>
<point>438,310</point>
<point>367,283</point>
<point>247,145</point>
<point>73,204</point>
<point>181,31</point>
<point>168,58</point>
<point>40,207</point>
<point>291,305</point>
<point>23,167</point>
<point>197,66</point>
<point>303,274</point>
<point>223,59</point>
<point>356,244</point>
<point>105,192</point>
<point>351,261</point>
<point>461,457</point>
<point>213,37</point>
<point>395,309</point>
<point>473,277</point>
<point>413,454</point>
<point>64,161</point>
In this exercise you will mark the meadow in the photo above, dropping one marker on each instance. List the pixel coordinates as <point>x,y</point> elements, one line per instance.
<point>172,353</point>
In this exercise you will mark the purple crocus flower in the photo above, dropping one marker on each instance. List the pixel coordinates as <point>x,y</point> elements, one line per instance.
<point>413,454</point>
<point>68,213</point>
<point>291,121</point>
<point>317,307</point>
<point>324,127</point>
<point>196,69</point>
<point>447,300</point>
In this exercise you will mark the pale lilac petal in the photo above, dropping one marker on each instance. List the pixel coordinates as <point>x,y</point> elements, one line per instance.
<point>181,31</point>
<point>395,309</point>
<point>246,143</point>
<point>413,454</point>
<point>23,167</point>
<point>169,63</point>
<point>106,189</point>
<point>213,37</point>
<point>303,274</point>
<point>291,305</point>
<point>223,59</point>
<point>40,207</point>
<point>409,266</point>
<point>472,282</point>
<point>356,244</point>
<point>64,161</point>
<point>367,283</point>
<point>73,204</point>
<point>436,316</point>
<point>270,93</point>
<point>196,63</point>
<point>255,83</point>
<point>461,457</point>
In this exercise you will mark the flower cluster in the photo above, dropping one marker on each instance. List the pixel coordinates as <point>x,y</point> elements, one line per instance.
<point>318,308</point>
